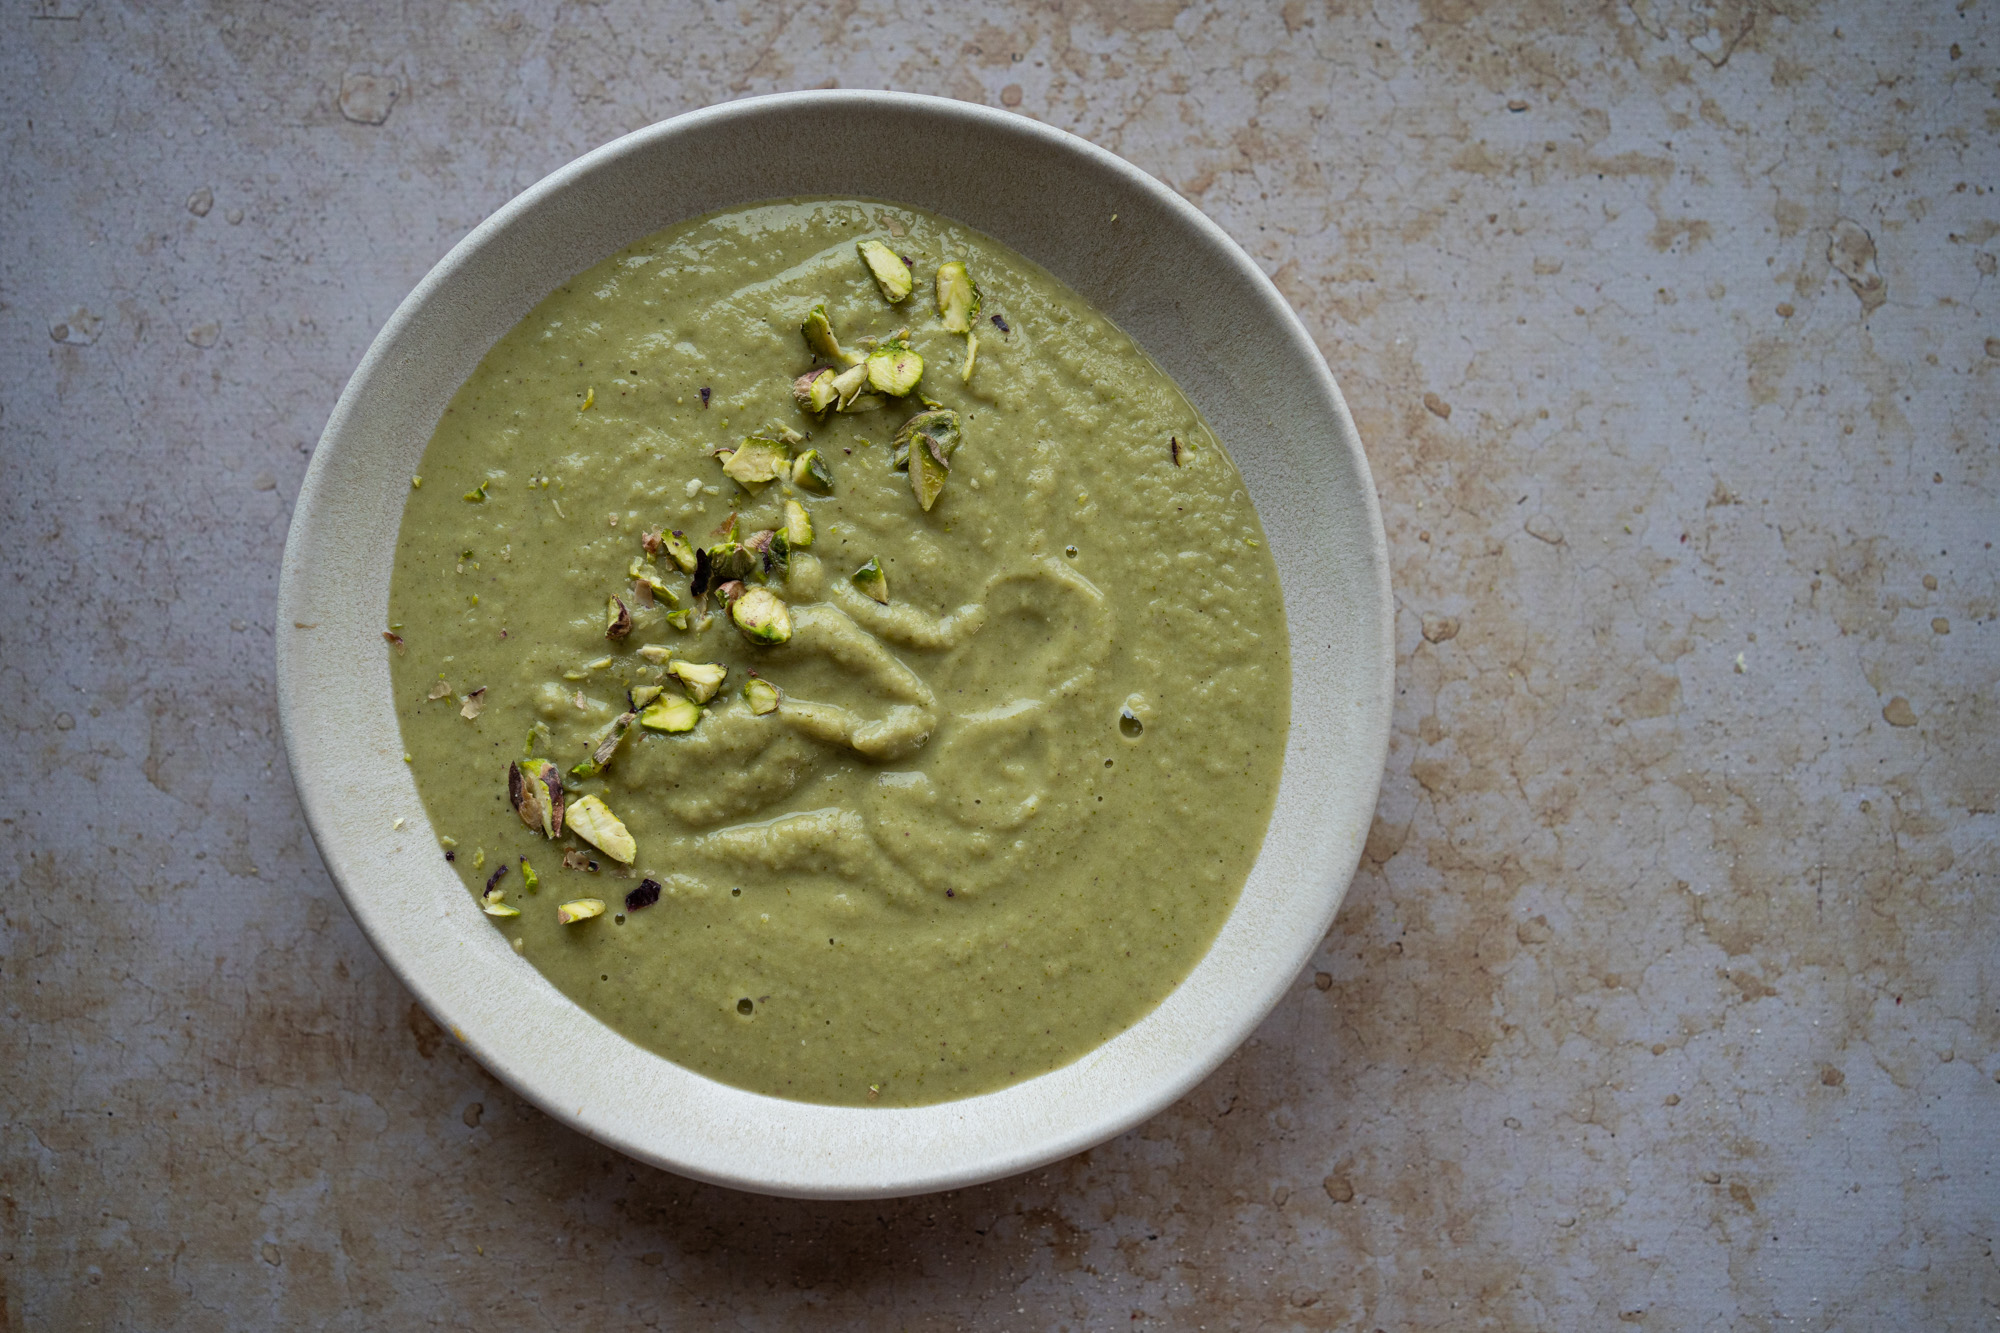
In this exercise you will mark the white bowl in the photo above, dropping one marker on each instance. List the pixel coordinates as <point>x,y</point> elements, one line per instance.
<point>1166,275</point>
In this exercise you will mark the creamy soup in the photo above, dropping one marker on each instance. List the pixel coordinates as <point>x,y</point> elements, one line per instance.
<point>837,657</point>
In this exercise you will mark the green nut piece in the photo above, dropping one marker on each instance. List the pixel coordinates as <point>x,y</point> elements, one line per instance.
<point>671,713</point>
<point>679,619</point>
<point>678,548</point>
<point>814,391</point>
<point>530,881</point>
<point>645,694</point>
<point>848,385</point>
<point>798,524</point>
<point>643,570</point>
<point>700,679</point>
<point>592,820</point>
<point>762,616</point>
<point>936,424</point>
<point>957,297</point>
<point>756,461</point>
<point>818,333</point>
<point>894,369</point>
<point>494,907</point>
<point>535,789</point>
<point>928,472</point>
<point>924,445</point>
<point>871,580</point>
<point>761,695</point>
<point>607,745</point>
<point>617,619</point>
<point>810,473</point>
<point>892,275</point>
<point>579,909</point>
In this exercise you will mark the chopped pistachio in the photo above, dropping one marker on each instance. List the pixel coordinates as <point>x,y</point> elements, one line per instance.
<point>814,391</point>
<point>677,546</point>
<point>848,384</point>
<point>777,555</point>
<point>678,619</point>
<point>530,881</point>
<point>892,275</point>
<point>394,640</point>
<point>924,445</point>
<point>670,713</point>
<point>810,473</point>
<point>656,653</point>
<point>761,695</point>
<point>494,907</point>
<point>536,791</point>
<point>871,580</point>
<point>473,702</point>
<point>894,369</point>
<point>700,679</point>
<point>798,524</point>
<point>591,819</point>
<point>756,461</point>
<point>957,297</point>
<point>818,333</point>
<point>928,471</point>
<point>939,424</point>
<point>762,616</point>
<point>441,690</point>
<point>607,744</point>
<point>725,562</point>
<point>644,694</point>
<point>643,570</point>
<point>579,909</point>
<point>477,494</point>
<point>617,619</point>
<point>589,397</point>
<point>416,483</point>
<point>971,354</point>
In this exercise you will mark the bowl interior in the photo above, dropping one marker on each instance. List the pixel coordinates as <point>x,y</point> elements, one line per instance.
<point>1132,248</point>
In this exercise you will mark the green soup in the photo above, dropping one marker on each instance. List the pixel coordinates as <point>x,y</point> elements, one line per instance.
<point>971,818</point>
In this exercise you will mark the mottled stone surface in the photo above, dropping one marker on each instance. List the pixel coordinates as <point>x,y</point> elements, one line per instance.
<point>1667,991</point>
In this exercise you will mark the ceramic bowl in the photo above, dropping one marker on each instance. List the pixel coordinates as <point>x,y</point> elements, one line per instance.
<point>1164,273</point>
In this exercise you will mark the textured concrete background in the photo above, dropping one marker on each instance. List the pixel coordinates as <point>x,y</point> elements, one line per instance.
<point>1667,991</point>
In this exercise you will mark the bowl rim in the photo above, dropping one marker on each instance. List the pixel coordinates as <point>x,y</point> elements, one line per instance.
<point>765,1171</point>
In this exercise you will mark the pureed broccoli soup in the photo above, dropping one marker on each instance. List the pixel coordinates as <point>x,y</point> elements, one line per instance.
<point>838,658</point>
